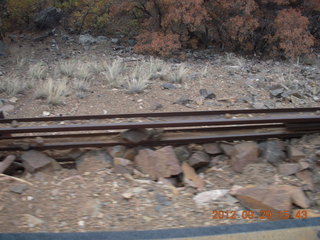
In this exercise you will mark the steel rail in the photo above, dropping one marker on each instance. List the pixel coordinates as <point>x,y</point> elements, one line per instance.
<point>199,129</point>
<point>162,114</point>
<point>164,124</point>
<point>169,141</point>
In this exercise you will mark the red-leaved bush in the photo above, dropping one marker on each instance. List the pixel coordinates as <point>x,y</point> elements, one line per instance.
<point>287,28</point>
<point>291,33</point>
<point>157,43</point>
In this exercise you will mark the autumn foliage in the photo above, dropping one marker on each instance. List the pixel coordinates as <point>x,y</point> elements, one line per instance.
<point>285,28</point>
<point>291,33</point>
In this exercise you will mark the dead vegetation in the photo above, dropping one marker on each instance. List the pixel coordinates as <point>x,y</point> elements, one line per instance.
<point>53,82</point>
<point>53,91</point>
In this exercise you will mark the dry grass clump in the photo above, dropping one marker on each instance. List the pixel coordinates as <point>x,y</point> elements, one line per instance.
<point>235,61</point>
<point>21,62</point>
<point>138,80</point>
<point>82,85</point>
<point>53,90</point>
<point>83,72</point>
<point>113,73</point>
<point>156,68</point>
<point>37,71</point>
<point>13,85</point>
<point>179,75</point>
<point>98,66</point>
<point>67,68</point>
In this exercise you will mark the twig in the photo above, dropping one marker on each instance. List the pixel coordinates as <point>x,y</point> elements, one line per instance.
<point>14,178</point>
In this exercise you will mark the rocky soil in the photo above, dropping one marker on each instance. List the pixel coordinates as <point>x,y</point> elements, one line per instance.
<point>117,188</point>
<point>211,80</point>
<point>165,187</point>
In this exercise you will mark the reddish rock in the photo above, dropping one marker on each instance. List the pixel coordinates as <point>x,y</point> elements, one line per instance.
<point>35,160</point>
<point>304,165</point>
<point>199,159</point>
<point>244,154</point>
<point>159,163</point>
<point>294,154</point>
<point>274,198</point>
<point>168,161</point>
<point>287,169</point>
<point>7,162</point>
<point>299,198</point>
<point>212,148</point>
<point>130,154</point>
<point>227,148</point>
<point>306,177</point>
<point>215,160</point>
<point>191,178</point>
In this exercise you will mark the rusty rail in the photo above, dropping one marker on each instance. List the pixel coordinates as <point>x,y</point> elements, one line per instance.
<point>212,128</point>
<point>163,114</point>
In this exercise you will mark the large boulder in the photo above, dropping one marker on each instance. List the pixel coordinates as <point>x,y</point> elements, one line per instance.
<point>48,18</point>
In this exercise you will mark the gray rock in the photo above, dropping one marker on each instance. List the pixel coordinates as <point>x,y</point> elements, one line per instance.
<point>48,18</point>
<point>115,40</point>
<point>273,151</point>
<point>156,106</point>
<point>161,199</point>
<point>207,94</point>
<point>136,135</point>
<point>18,188</point>
<point>132,42</point>
<point>276,91</point>
<point>116,151</point>
<point>168,86</point>
<point>259,105</point>
<point>87,40</point>
<point>199,159</point>
<point>7,108</point>
<point>101,39</point>
<point>122,166</point>
<point>93,161</point>
<point>182,153</point>
<point>34,160</point>
<point>183,100</point>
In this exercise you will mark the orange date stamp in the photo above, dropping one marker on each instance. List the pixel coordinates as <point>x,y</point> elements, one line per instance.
<point>261,214</point>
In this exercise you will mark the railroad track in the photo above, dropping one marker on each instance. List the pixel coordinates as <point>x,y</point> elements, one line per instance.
<point>64,132</point>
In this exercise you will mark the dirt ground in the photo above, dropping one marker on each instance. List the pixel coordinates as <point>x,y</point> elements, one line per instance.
<point>67,201</point>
